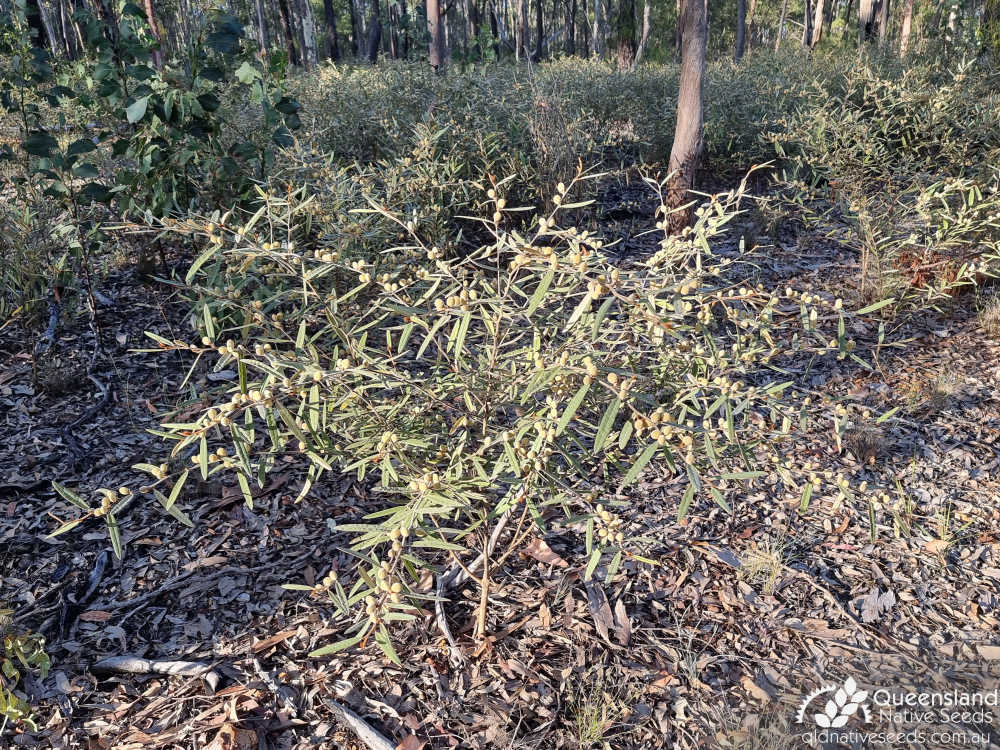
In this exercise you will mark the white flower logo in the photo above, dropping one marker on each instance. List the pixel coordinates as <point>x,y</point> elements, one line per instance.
<point>844,703</point>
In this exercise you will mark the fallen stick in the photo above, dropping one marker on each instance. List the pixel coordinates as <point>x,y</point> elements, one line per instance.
<point>280,693</point>
<point>372,739</point>
<point>138,665</point>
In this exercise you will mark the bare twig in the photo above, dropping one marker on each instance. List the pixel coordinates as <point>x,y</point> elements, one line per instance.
<point>138,665</point>
<point>281,693</point>
<point>372,739</point>
<point>458,574</point>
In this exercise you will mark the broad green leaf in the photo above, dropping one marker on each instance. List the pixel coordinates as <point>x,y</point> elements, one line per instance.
<point>607,422</point>
<point>137,109</point>
<point>571,408</point>
<point>71,496</point>
<point>176,491</point>
<point>333,648</point>
<point>539,294</point>
<point>640,464</point>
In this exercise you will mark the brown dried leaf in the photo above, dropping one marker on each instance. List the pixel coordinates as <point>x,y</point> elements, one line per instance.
<point>539,550</point>
<point>95,615</point>
<point>411,743</point>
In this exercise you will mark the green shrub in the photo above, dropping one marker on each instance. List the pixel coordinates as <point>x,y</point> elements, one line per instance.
<point>20,652</point>
<point>907,159</point>
<point>486,385</point>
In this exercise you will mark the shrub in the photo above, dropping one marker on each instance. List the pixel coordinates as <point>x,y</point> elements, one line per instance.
<point>480,387</point>
<point>906,159</point>
<point>20,652</point>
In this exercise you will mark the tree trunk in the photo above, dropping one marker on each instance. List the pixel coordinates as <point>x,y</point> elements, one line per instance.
<point>883,22</point>
<point>374,33</point>
<point>781,25</point>
<point>495,31</point>
<point>262,33</point>
<point>866,20</point>
<point>521,34</point>
<point>904,33</point>
<point>55,43</point>
<point>817,31</point>
<point>286,22</point>
<point>309,57</point>
<point>686,150</point>
<point>570,41</point>
<point>436,52</point>
<point>539,31</point>
<point>598,30</point>
<point>68,30</point>
<point>806,23</point>
<point>741,29</point>
<point>330,17</point>
<point>847,18</point>
<point>751,15</point>
<point>355,30</point>
<point>404,43</point>
<point>154,29</point>
<point>625,34</point>
<point>644,39</point>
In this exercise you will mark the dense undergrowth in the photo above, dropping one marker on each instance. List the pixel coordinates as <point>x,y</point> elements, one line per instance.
<point>413,285</point>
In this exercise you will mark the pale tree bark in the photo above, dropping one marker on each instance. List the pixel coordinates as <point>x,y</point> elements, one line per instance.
<point>598,29</point>
<point>741,29</point>
<point>436,52</point>
<point>781,25</point>
<point>644,39</point>
<point>817,30</point>
<point>46,17</point>
<point>309,58</point>
<point>262,33</point>
<point>904,33</point>
<point>521,39</point>
<point>688,137</point>
<point>883,22</point>
<point>866,20</point>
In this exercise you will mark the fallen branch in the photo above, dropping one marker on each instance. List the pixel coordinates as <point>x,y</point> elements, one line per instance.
<point>138,665</point>
<point>372,739</point>
<point>280,693</point>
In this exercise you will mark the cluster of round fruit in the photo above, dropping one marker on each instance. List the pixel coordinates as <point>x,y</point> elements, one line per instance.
<point>608,526</point>
<point>458,301</point>
<point>110,497</point>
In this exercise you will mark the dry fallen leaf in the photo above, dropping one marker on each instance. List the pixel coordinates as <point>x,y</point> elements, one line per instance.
<point>990,653</point>
<point>411,743</point>
<point>95,615</point>
<point>233,738</point>
<point>936,546</point>
<point>760,688</point>
<point>539,550</point>
<point>597,601</point>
